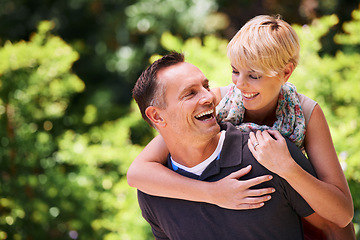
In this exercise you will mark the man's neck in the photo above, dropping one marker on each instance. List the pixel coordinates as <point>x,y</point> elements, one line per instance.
<point>192,153</point>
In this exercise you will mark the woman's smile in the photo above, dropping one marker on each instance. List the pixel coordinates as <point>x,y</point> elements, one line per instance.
<point>249,96</point>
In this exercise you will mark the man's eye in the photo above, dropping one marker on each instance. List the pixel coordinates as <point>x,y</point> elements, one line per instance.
<point>189,94</point>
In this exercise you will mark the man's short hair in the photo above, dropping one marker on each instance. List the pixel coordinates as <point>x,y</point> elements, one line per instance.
<point>148,91</point>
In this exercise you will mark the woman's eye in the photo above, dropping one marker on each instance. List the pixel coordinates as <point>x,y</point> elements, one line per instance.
<point>235,72</point>
<point>254,76</point>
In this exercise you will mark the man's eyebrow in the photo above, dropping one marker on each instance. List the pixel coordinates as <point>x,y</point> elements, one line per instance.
<point>206,81</point>
<point>187,88</point>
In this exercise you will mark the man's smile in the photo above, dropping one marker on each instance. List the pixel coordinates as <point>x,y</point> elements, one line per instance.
<point>205,115</point>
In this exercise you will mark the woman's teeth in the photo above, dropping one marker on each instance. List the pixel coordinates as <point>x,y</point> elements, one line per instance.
<point>249,95</point>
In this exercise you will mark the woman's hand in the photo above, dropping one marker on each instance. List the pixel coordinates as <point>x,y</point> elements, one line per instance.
<point>232,193</point>
<point>271,151</point>
<point>229,192</point>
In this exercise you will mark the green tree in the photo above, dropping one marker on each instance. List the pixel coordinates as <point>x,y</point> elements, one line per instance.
<point>57,183</point>
<point>114,40</point>
<point>35,86</point>
<point>63,159</point>
<point>99,160</point>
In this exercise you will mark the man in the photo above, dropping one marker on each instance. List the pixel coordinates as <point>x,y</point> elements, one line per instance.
<point>174,97</point>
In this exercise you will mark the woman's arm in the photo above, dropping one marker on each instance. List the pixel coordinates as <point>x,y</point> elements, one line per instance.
<point>329,195</point>
<point>322,154</point>
<point>148,174</point>
<point>330,230</point>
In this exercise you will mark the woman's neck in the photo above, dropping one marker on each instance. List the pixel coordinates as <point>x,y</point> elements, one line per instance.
<point>262,116</point>
<point>267,120</point>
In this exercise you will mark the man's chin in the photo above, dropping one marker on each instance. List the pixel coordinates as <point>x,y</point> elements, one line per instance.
<point>214,126</point>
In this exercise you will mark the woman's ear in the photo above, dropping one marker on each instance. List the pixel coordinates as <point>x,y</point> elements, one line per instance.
<point>154,115</point>
<point>289,69</point>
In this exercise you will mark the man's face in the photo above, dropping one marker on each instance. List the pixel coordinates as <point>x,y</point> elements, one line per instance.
<point>190,109</point>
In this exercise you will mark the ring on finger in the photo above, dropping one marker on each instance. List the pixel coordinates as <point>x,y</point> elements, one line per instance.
<point>255,145</point>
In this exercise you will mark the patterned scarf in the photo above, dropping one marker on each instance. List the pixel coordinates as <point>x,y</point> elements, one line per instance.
<point>290,118</point>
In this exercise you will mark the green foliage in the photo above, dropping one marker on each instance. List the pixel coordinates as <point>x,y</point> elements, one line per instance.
<point>35,86</point>
<point>141,133</point>
<point>59,184</point>
<point>351,29</point>
<point>99,160</point>
<point>114,39</point>
<point>209,55</point>
<point>189,16</point>
<point>62,182</point>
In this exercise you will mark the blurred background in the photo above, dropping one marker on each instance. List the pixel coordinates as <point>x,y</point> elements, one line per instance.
<point>69,128</point>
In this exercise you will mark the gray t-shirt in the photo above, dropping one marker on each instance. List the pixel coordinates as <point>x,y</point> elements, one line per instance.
<point>278,219</point>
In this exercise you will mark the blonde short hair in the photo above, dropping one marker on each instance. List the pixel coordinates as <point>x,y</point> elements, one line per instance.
<point>265,44</point>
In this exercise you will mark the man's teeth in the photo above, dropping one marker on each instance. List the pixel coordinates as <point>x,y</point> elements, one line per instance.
<point>249,95</point>
<point>204,113</point>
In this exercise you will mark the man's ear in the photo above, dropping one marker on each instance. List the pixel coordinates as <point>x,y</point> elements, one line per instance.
<point>154,115</point>
<point>289,69</point>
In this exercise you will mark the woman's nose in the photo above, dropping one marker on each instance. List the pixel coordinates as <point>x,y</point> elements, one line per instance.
<point>239,81</point>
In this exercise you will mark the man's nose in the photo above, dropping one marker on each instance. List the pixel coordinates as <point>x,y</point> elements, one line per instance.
<point>208,97</point>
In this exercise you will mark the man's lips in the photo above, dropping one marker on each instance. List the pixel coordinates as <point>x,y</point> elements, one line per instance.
<point>205,115</point>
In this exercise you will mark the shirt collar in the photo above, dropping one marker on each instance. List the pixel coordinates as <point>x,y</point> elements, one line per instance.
<point>230,156</point>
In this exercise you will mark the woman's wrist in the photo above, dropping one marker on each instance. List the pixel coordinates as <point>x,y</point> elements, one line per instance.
<point>291,170</point>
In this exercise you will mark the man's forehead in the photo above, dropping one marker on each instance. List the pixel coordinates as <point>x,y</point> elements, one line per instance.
<point>180,71</point>
<point>176,68</point>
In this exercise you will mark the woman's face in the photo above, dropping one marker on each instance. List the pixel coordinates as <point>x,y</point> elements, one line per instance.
<point>260,93</point>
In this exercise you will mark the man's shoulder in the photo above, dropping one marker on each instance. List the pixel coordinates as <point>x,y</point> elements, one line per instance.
<point>235,147</point>
<point>231,129</point>
<point>234,136</point>
<point>298,155</point>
